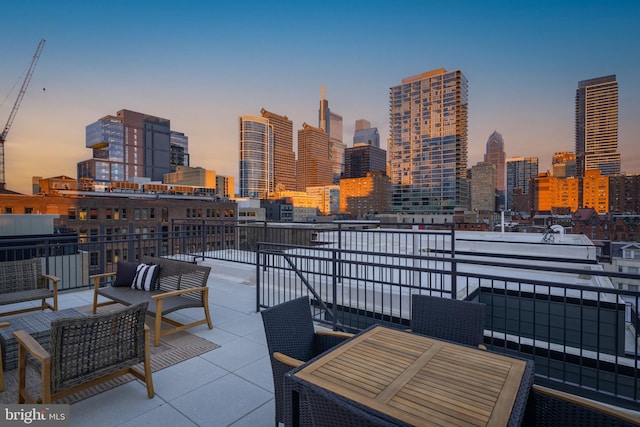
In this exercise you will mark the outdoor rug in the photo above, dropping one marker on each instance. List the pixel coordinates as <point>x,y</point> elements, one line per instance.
<point>174,348</point>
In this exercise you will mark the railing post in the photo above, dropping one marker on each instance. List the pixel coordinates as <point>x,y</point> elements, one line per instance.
<point>339,264</point>
<point>204,237</point>
<point>454,265</point>
<point>334,285</point>
<point>257,277</point>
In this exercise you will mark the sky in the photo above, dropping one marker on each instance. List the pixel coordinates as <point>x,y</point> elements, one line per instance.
<point>203,64</point>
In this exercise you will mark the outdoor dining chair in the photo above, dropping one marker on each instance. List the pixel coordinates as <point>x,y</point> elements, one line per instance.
<point>330,410</point>
<point>291,341</point>
<point>449,319</point>
<point>85,351</point>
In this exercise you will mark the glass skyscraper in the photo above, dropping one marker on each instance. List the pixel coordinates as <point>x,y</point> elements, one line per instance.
<point>519,171</point>
<point>597,126</point>
<point>131,145</point>
<point>256,157</point>
<point>427,149</point>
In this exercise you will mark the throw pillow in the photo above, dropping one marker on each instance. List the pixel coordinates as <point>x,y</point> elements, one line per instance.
<point>125,273</point>
<point>146,276</point>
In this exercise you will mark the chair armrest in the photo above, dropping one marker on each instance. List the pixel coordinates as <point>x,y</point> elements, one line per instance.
<point>54,280</point>
<point>32,346</point>
<point>592,405</point>
<point>289,361</point>
<point>178,292</point>
<point>4,324</point>
<point>334,333</point>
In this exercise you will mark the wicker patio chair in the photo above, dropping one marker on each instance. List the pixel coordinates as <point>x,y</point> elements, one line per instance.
<point>2,325</point>
<point>87,350</point>
<point>547,407</point>
<point>330,410</point>
<point>449,319</point>
<point>291,341</point>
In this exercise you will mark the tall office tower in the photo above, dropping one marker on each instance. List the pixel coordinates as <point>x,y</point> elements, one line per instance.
<point>314,166</point>
<point>597,126</point>
<point>331,123</point>
<point>427,148</point>
<point>519,171</point>
<point>179,150</point>
<point>483,184</point>
<point>256,157</point>
<point>365,134</point>
<point>496,156</point>
<point>131,145</point>
<point>284,158</point>
<point>366,155</point>
<point>563,164</point>
<point>362,124</point>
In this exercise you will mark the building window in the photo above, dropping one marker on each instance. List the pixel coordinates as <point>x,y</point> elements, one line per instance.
<point>116,214</point>
<point>152,213</point>
<point>93,259</point>
<point>8,210</point>
<point>136,214</point>
<point>109,213</point>
<point>83,214</point>
<point>124,213</point>
<point>82,235</point>
<point>28,210</point>
<point>145,214</point>
<point>165,215</point>
<point>93,213</point>
<point>109,256</point>
<point>71,213</point>
<point>108,232</point>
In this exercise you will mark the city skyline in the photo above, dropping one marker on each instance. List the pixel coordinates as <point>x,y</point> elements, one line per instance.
<point>204,65</point>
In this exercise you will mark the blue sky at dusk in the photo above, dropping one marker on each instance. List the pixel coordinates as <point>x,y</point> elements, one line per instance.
<point>202,64</point>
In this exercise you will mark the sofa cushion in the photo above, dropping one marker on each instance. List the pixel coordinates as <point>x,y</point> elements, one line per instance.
<point>125,273</point>
<point>146,277</point>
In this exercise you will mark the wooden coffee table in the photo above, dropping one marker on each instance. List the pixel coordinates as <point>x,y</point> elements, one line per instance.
<point>38,325</point>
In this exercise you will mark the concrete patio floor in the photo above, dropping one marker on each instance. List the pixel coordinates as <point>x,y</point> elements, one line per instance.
<point>229,386</point>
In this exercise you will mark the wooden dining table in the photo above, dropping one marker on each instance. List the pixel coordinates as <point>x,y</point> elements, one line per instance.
<point>421,380</point>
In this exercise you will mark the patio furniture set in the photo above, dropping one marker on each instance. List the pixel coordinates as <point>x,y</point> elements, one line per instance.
<point>437,373</point>
<point>76,350</point>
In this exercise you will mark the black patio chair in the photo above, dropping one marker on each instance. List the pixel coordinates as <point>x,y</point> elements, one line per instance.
<point>291,341</point>
<point>330,410</point>
<point>548,407</point>
<point>449,319</point>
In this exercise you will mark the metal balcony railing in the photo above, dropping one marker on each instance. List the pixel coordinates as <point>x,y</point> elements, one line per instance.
<point>565,313</point>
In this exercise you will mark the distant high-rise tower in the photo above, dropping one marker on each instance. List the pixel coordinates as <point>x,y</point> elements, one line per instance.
<point>314,166</point>
<point>428,143</point>
<point>331,123</point>
<point>496,156</point>
<point>597,126</point>
<point>366,155</point>
<point>284,158</point>
<point>256,157</point>
<point>131,145</point>
<point>519,171</point>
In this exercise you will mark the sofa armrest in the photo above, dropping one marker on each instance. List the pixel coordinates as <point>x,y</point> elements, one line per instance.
<point>32,346</point>
<point>179,292</point>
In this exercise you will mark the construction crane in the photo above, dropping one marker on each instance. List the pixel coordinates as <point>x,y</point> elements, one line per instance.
<point>23,90</point>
